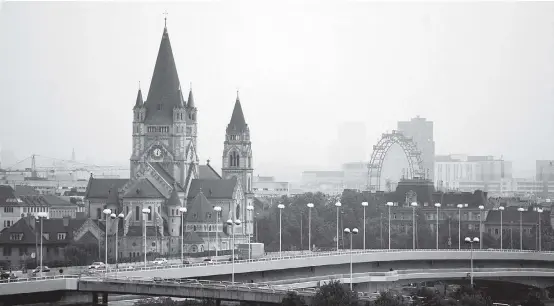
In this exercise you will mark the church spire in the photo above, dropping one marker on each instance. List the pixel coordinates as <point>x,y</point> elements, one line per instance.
<point>139,102</point>
<point>190,103</point>
<point>237,123</point>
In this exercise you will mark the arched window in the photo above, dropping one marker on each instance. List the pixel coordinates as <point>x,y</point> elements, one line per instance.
<point>234,159</point>
<point>99,213</point>
<point>237,213</point>
<point>150,213</point>
<point>137,213</point>
<point>249,161</point>
<point>248,184</point>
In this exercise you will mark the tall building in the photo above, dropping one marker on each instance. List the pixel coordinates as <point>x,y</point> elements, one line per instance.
<point>421,132</point>
<point>544,170</point>
<point>165,175</point>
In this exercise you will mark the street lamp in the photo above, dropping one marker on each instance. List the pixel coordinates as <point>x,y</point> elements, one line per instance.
<point>365,204</point>
<point>280,206</point>
<point>460,226</point>
<point>414,205</point>
<point>471,242</point>
<point>353,232</point>
<point>501,208</point>
<point>338,205</point>
<point>389,204</point>
<point>106,212</point>
<point>145,211</point>
<point>41,216</point>
<point>217,210</point>
<point>481,208</point>
<point>310,206</point>
<point>182,212</point>
<point>232,225</point>
<point>520,227</point>
<point>539,210</point>
<point>250,208</point>
<point>114,216</point>
<point>437,205</point>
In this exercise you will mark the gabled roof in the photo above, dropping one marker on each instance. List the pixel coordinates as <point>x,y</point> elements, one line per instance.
<point>113,196</point>
<point>166,176</point>
<point>143,189</point>
<point>512,216</point>
<point>208,173</point>
<point>174,199</point>
<point>25,190</point>
<point>237,123</point>
<point>213,189</point>
<point>98,188</point>
<point>200,210</point>
<point>139,102</point>
<point>50,226</point>
<point>164,86</point>
<point>192,238</point>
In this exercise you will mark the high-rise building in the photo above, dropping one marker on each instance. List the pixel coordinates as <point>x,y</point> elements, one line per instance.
<point>421,132</point>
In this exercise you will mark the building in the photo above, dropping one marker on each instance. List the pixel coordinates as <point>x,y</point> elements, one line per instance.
<point>165,174</point>
<point>329,182</point>
<point>510,221</point>
<point>464,172</point>
<point>267,186</point>
<point>20,242</point>
<point>355,175</point>
<point>421,132</point>
<point>544,170</point>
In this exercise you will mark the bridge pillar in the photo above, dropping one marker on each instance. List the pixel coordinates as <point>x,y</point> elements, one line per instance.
<point>105,298</point>
<point>217,302</point>
<point>94,299</point>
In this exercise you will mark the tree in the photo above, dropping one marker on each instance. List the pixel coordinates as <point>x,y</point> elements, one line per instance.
<point>333,294</point>
<point>293,299</point>
<point>81,254</point>
<point>387,298</point>
<point>532,300</point>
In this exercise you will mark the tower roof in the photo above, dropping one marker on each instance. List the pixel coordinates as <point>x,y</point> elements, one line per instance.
<point>237,123</point>
<point>190,103</point>
<point>174,199</point>
<point>139,102</point>
<point>163,94</point>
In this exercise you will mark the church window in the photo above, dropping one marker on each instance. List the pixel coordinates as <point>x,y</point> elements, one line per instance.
<point>137,213</point>
<point>173,212</point>
<point>209,228</point>
<point>249,161</point>
<point>159,106</point>
<point>126,210</point>
<point>99,213</point>
<point>237,213</point>
<point>234,159</point>
<point>194,228</point>
<point>193,116</point>
<point>248,184</point>
<point>150,213</point>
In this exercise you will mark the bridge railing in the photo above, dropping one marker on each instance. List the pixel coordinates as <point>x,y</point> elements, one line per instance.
<point>316,254</point>
<point>34,279</point>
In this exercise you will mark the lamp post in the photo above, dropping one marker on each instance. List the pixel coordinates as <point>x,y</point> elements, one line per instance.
<point>250,209</point>
<point>310,206</point>
<point>41,216</point>
<point>460,226</point>
<point>338,205</point>
<point>481,209</point>
<point>539,244</point>
<point>232,225</point>
<point>389,204</point>
<point>106,212</point>
<point>501,208</point>
<point>145,211</point>
<point>118,217</point>
<point>365,204</point>
<point>521,209</point>
<point>182,212</point>
<point>414,205</point>
<point>280,206</point>
<point>217,210</point>
<point>349,232</point>
<point>437,205</point>
<point>471,242</point>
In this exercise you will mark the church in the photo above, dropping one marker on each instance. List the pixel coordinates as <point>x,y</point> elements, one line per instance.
<point>165,174</point>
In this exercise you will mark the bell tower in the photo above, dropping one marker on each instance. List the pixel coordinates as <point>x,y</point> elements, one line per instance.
<point>237,160</point>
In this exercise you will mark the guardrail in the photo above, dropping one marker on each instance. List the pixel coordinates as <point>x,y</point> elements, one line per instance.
<point>318,254</point>
<point>34,279</point>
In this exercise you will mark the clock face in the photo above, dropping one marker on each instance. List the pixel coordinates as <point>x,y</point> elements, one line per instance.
<point>157,152</point>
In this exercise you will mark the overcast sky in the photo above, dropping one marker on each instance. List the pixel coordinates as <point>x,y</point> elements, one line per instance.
<point>483,72</point>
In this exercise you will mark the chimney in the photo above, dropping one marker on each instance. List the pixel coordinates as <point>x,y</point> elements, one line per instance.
<point>65,221</point>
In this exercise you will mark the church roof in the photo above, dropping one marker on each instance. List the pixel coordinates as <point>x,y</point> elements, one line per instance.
<point>139,102</point>
<point>213,189</point>
<point>174,199</point>
<point>201,210</point>
<point>166,176</point>
<point>113,197</point>
<point>143,189</point>
<point>237,123</point>
<point>98,188</point>
<point>207,172</point>
<point>163,94</point>
<point>192,238</point>
<point>136,231</point>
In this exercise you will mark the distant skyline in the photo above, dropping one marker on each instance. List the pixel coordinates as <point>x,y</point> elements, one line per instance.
<point>483,72</point>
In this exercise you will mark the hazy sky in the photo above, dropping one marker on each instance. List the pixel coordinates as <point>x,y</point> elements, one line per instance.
<point>483,72</point>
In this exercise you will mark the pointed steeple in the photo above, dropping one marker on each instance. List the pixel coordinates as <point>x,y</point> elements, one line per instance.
<point>174,198</point>
<point>181,99</point>
<point>237,123</point>
<point>139,102</point>
<point>190,103</point>
<point>163,94</point>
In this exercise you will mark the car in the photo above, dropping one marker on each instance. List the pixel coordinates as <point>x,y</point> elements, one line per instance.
<point>186,262</point>
<point>207,259</point>
<point>7,275</point>
<point>160,261</point>
<point>97,265</point>
<point>44,269</point>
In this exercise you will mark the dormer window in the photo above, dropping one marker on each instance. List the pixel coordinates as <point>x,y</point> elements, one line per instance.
<point>62,236</point>
<point>16,236</point>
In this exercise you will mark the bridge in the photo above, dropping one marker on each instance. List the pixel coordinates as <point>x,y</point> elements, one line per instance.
<point>268,279</point>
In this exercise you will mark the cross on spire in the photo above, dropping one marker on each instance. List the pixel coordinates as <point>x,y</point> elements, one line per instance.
<point>165,18</point>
